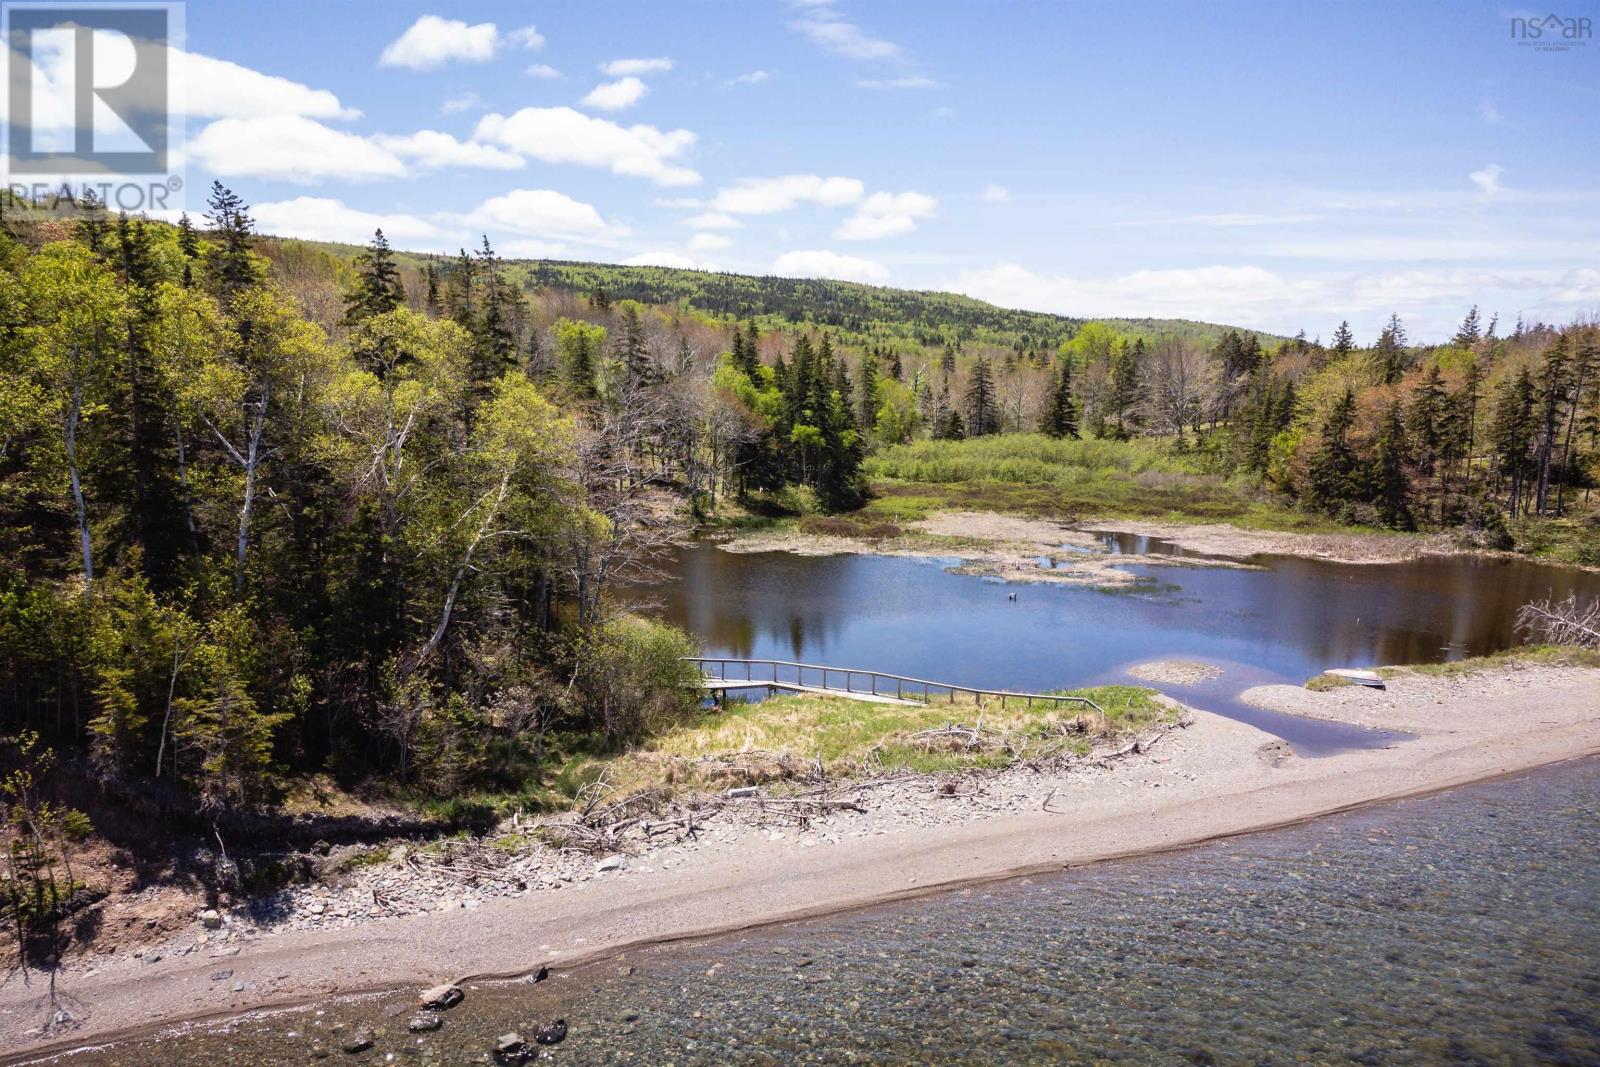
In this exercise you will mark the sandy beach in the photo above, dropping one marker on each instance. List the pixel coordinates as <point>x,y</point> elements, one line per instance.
<point>1214,778</point>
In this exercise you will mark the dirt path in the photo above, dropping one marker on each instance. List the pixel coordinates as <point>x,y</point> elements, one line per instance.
<point>1215,779</point>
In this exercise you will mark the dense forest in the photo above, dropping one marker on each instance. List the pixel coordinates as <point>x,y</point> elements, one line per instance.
<point>273,507</point>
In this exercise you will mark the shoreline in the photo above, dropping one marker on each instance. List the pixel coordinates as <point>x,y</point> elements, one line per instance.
<point>621,950</point>
<point>1010,547</point>
<point>1213,780</point>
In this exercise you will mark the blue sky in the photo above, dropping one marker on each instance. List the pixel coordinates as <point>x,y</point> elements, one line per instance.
<point>1278,165</point>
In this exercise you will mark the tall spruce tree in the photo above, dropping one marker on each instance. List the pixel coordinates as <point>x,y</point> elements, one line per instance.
<point>983,413</point>
<point>378,288</point>
<point>233,266</point>
<point>1389,354</point>
<point>1344,342</point>
<point>189,246</point>
<point>1061,417</point>
<point>1334,476</point>
<point>867,392</point>
<point>1391,488</point>
<point>494,331</point>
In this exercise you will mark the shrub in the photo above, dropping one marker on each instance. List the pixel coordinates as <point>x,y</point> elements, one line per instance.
<point>635,679</point>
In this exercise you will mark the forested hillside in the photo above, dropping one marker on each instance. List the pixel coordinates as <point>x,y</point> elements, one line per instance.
<point>859,313</point>
<point>274,509</point>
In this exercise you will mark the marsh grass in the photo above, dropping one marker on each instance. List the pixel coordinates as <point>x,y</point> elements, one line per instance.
<point>1037,475</point>
<point>1542,655</point>
<point>792,736</point>
<point>1322,683</point>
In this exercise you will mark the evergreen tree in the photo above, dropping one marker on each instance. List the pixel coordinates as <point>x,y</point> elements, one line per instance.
<point>1470,332</point>
<point>150,490</point>
<point>430,282</point>
<point>868,392</point>
<point>494,331</point>
<point>1061,417</point>
<point>463,277</point>
<point>378,288</point>
<point>1125,377</point>
<point>745,353</point>
<point>93,226</point>
<point>983,414</point>
<point>233,266</point>
<point>1555,383</point>
<point>1344,342</point>
<point>1392,488</point>
<point>638,370</point>
<point>895,370</point>
<point>1511,433</point>
<point>189,246</point>
<point>1335,472</point>
<point>1390,352</point>
<point>1426,420</point>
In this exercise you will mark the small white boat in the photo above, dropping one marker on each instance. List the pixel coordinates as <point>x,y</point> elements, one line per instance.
<point>1357,675</point>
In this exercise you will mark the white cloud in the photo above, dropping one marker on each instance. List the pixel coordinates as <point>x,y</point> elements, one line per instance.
<point>430,148</point>
<point>467,101</point>
<point>713,220</point>
<point>619,67</point>
<point>994,194</point>
<point>663,257</point>
<point>886,215</point>
<point>322,219</point>
<point>212,88</point>
<point>765,196</point>
<point>527,248</point>
<point>1490,113</point>
<point>834,33</point>
<point>614,96</point>
<point>543,70</point>
<point>526,37</point>
<point>562,135</point>
<point>910,81</point>
<point>217,88</point>
<point>290,148</point>
<point>1249,218</point>
<point>1487,179</point>
<point>542,213</point>
<point>431,42</point>
<point>754,77</point>
<point>709,242</point>
<point>1429,299</point>
<point>823,264</point>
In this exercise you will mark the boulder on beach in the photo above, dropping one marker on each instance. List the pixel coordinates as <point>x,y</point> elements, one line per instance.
<point>441,997</point>
<point>360,1041</point>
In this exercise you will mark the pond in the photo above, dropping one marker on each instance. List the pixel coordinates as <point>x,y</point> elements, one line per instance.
<point>1456,928</point>
<point>1284,621</point>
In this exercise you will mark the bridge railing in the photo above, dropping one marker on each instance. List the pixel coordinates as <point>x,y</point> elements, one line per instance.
<point>760,673</point>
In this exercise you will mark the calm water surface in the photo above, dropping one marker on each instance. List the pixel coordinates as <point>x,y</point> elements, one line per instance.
<point>1462,928</point>
<point>1284,622</point>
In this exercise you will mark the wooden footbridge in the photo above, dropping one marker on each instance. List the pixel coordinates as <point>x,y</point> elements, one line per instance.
<point>721,675</point>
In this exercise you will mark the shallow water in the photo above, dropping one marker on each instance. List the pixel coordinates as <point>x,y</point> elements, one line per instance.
<point>1458,928</point>
<point>1285,621</point>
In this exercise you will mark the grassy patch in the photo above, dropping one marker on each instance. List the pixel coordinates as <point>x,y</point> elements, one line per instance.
<point>1547,655</point>
<point>1570,540</point>
<point>1035,475</point>
<point>785,736</point>
<point>1324,682</point>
